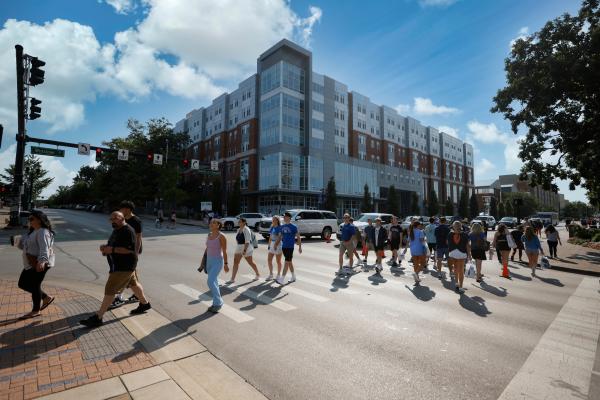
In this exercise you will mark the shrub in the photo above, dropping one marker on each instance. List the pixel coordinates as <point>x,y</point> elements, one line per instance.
<point>596,237</point>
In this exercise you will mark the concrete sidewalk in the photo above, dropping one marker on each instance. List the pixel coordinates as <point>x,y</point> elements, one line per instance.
<point>181,221</point>
<point>140,357</point>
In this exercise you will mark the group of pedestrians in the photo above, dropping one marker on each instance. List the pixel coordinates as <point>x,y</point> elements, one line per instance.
<point>122,251</point>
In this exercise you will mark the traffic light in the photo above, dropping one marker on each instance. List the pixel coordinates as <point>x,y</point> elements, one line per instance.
<point>150,157</point>
<point>36,74</point>
<point>34,108</point>
<point>98,154</point>
<point>186,163</point>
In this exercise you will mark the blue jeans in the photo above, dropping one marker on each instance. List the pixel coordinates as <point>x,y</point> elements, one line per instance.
<point>214,265</point>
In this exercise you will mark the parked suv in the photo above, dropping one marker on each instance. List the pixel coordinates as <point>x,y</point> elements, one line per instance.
<point>510,222</point>
<point>309,222</point>
<point>362,221</point>
<point>407,221</point>
<point>252,219</point>
<point>486,220</point>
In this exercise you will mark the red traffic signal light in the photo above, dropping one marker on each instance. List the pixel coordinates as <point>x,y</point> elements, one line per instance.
<point>98,154</point>
<point>150,157</point>
<point>36,74</point>
<point>186,163</point>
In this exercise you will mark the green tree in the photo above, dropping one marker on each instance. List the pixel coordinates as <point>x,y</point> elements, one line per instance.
<point>508,208</point>
<point>393,205</point>
<point>552,93</point>
<point>33,174</point>
<point>473,206</point>
<point>494,207</point>
<point>433,205</point>
<point>366,205</point>
<point>449,209</point>
<point>330,196</point>
<point>415,208</point>
<point>501,211</point>
<point>577,209</point>
<point>233,202</point>
<point>528,207</point>
<point>463,204</point>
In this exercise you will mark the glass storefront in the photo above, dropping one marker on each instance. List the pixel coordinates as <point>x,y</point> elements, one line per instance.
<point>351,179</point>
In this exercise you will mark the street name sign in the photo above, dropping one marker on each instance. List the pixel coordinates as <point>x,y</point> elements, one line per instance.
<point>83,149</point>
<point>46,151</point>
<point>123,154</point>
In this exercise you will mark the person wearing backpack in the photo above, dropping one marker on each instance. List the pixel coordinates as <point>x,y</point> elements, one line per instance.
<point>244,249</point>
<point>478,239</point>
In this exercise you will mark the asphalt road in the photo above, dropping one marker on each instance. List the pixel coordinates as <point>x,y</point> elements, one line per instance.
<point>324,337</point>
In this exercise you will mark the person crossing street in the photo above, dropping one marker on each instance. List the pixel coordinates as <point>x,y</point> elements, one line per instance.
<point>289,235</point>
<point>381,236</point>
<point>346,244</point>
<point>396,239</point>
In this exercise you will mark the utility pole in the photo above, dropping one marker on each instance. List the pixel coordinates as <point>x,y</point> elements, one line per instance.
<point>20,157</point>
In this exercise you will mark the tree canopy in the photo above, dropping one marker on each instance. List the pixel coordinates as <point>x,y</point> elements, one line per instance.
<point>552,92</point>
<point>32,173</point>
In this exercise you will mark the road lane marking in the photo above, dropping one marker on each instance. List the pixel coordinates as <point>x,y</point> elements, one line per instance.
<point>337,288</point>
<point>261,298</point>
<point>299,292</point>
<point>87,230</point>
<point>560,366</point>
<point>228,311</point>
<point>70,230</point>
<point>102,230</point>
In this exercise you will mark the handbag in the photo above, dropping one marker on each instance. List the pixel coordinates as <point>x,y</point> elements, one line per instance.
<point>202,266</point>
<point>471,270</point>
<point>487,245</point>
<point>511,241</point>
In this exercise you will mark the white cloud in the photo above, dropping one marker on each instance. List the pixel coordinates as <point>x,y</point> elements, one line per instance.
<point>523,32</point>
<point>403,109</point>
<point>490,134</point>
<point>449,130</point>
<point>122,6</point>
<point>484,168</point>
<point>436,3</point>
<point>209,41</point>
<point>425,106</point>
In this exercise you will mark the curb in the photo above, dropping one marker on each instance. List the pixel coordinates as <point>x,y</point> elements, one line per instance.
<point>575,271</point>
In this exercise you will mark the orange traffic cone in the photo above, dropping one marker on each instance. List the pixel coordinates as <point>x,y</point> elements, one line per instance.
<point>505,273</point>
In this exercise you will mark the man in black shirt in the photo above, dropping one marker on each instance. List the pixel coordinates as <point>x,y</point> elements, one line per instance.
<point>395,237</point>
<point>120,252</point>
<point>126,208</point>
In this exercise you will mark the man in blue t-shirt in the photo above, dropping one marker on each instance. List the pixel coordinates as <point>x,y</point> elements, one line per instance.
<point>289,234</point>
<point>347,231</point>
<point>441,244</point>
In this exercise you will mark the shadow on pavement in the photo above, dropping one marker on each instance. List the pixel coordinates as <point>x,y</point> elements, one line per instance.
<point>520,277</point>
<point>498,291</point>
<point>421,292</point>
<point>550,281</point>
<point>474,304</point>
<point>590,256</point>
<point>575,390</point>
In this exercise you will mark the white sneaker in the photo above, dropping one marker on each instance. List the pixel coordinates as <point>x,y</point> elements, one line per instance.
<point>279,280</point>
<point>292,279</point>
<point>269,278</point>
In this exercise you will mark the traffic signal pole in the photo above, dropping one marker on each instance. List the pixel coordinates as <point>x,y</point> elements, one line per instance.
<point>20,156</point>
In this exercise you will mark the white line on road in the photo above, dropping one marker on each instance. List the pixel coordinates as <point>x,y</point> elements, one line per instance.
<point>70,230</point>
<point>339,289</point>
<point>561,364</point>
<point>228,311</point>
<point>102,230</point>
<point>87,230</point>
<point>283,306</point>
<point>300,292</point>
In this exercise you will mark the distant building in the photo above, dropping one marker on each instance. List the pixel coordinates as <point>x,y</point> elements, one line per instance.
<point>286,130</point>
<point>547,199</point>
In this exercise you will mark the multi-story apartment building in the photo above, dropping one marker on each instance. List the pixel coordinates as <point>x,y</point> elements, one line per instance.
<point>285,131</point>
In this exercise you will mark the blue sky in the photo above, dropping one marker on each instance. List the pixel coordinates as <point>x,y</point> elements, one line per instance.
<point>440,61</point>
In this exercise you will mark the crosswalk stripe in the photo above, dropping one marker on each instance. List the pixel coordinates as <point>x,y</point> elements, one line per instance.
<point>87,230</point>
<point>283,306</point>
<point>328,286</point>
<point>226,310</point>
<point>357,280</point>
<point>70,230</point>
<point>102,230</point>
<point>300,292</point>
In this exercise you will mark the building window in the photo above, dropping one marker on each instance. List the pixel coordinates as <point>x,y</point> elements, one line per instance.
<point>245,137</point>
<point>270,78</point>
<point>244,174</point>
<point>293,77</point>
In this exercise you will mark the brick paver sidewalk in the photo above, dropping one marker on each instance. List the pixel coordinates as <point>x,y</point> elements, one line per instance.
<point>53,352</point>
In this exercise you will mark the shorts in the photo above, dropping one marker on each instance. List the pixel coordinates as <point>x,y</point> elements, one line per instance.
<point>441,252</point>
<point>273,249</point>
<point>239,249</point>
<point>394,244</point>
<point>478,254</point>
<point>370,246</point>
<point>347,246</point>
<point>288,253</point>
<point>535,252</point>
<point>119,280</point>
<point>421,260</point>
<point>431,246</point>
